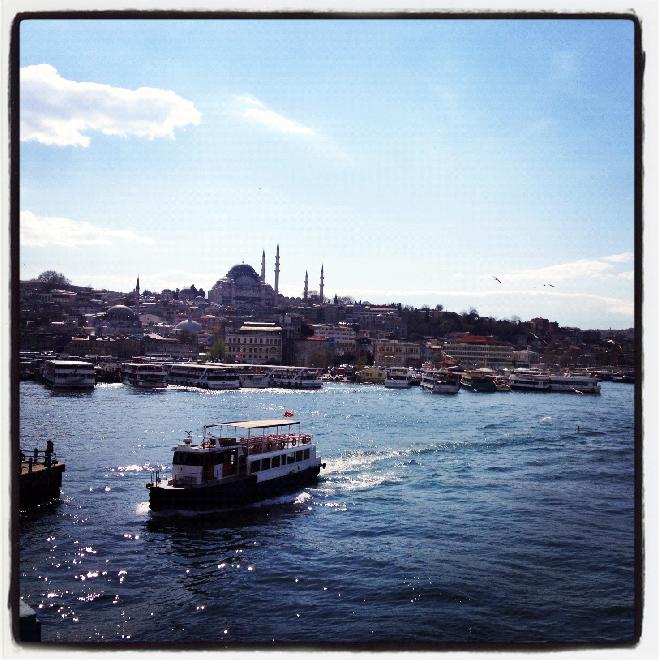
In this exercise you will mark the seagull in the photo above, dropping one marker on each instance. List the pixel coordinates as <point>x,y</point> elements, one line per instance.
<point>548,284</point>
<point>498,280</point>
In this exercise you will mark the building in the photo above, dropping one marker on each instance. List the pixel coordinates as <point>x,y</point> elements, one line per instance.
<point>525,358</point>
<point>254,343</point>
<point>377,321</point>
<point>342,334</point>
<point>474,351</point>
<point>119,320</point>
<point>314,352</point>
<point>396,353</point>
<point>242,286</point>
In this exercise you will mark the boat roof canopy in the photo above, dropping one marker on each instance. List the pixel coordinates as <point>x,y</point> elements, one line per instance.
<point>260,423</point>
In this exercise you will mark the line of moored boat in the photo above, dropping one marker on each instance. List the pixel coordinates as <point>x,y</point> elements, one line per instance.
<point>147,374</point>
<point>152,373</point>
<point>445,381</point>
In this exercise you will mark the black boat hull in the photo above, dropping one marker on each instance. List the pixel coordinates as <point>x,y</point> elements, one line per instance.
<point>239,492</point>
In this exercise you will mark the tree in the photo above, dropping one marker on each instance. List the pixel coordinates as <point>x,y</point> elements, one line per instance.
<point>53,279</point>
<point>217,351</point>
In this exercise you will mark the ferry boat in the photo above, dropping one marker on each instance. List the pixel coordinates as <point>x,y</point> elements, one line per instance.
<point>397,378</point>
<point>479,380</point>
<point>297,378</point>
<point>529,381</point>
<point>150,375</point>
<point>209,376</point>
<point>502,384</point>
<point>579,383</point>
<point>254,375</point>
<point>438,381</point>
<point>74,374</point>
<point>236,463</point>
<point>371,375</point>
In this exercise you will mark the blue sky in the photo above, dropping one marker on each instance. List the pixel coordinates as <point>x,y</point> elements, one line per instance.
<point>414,159</point>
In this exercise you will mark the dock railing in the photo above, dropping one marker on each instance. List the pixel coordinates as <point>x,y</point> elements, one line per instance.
<point>31,459</point>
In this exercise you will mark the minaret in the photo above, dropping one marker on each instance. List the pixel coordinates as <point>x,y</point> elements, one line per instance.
<point>277,270</point>
<point>321,286</point>
<point>137,298</point>
<point>263,266</point>
<point>306,291</point>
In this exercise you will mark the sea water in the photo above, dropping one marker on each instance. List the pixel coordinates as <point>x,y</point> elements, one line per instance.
<point>501,518</point>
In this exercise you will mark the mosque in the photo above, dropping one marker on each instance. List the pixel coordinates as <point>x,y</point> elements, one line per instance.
<point>243,286</point>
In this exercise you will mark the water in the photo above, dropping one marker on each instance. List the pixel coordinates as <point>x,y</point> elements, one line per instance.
<point>468,518</point>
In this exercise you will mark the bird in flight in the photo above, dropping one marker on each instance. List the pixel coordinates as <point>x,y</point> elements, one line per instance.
<point>548,284</point>
<point>497,280</point>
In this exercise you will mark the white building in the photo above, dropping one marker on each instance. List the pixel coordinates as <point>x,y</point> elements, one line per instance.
<point>396,353</point>
<point>344,336</point>
<point>478,351</point>
<point>254,343</point>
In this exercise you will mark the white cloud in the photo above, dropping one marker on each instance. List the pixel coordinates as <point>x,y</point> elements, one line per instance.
<point>251,108</point>
<point>42,231</point>
<point>57,111</point>
<point>614,305</point>
<point>624,257</point>
<point>558,272</point>
<point>173,279</point>
<point>573,270</point>
<point>627,275</point>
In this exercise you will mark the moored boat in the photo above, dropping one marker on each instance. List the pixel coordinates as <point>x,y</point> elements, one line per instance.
<point>296,378</point>
<point>502,384</point>
<point>207,376</point>
<point>72,374</point>
<point>149,375</point>
<point>371,374</point>
<point>254,375</point>
<point>397,378</point>
<point>440,381</point>
<point>529,381</point>
<point>479,380</point>
<point>236,463</point>
<point>578,383</point>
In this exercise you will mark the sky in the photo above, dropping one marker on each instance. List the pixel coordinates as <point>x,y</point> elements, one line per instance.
<point>482,164</point>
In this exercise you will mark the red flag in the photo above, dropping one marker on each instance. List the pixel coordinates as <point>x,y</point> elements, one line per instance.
<point>288,413</point>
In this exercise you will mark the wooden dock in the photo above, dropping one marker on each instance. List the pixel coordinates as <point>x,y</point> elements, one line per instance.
<point>39,480</point>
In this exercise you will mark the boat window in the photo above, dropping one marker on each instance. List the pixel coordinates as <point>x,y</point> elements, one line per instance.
<point>220,457</point>
<point>187,458</point>
<point>299,455</point>
<point>265,463</point>
<point>255,466</point>
<point>306,453</point>
<point>276,461</point>
<point>291,458</point>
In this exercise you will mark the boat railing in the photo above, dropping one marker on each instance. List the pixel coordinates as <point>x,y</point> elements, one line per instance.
<point>271,442</point>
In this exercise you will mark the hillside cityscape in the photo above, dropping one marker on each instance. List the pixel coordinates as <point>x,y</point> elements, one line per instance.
<point>243,319</point>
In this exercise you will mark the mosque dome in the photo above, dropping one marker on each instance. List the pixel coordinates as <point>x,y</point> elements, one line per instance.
<point>121,314</point>
<point>189,326</point>
<point>244,275</point>
<point>242,286</point>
